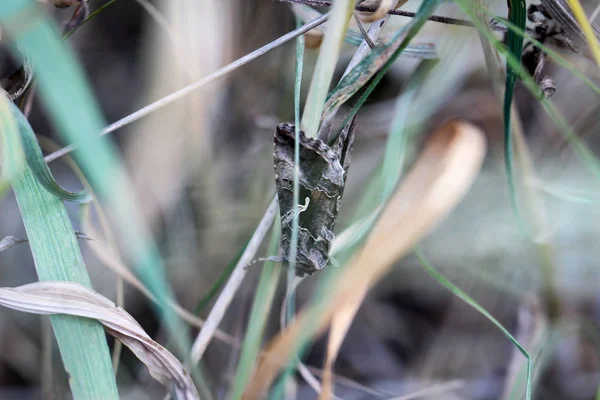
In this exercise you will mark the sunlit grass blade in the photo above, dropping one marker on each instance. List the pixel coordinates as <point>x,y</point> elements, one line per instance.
<point>467,299</point>
<point>57,256</point>
<point>588,32</point>
<point>323,73</point>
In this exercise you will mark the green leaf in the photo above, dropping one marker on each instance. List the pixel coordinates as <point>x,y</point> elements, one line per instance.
<point>425,11</point>
<point>517,14</point>
<point>74,113</point>
<point>35,161</point>
<point>57,256</point>
<point>455,290</point>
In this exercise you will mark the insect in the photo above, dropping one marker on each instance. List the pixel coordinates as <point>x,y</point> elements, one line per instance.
<point>322,176</point>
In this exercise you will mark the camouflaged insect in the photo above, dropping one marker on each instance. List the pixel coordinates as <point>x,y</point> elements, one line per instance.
<point>321,178</point>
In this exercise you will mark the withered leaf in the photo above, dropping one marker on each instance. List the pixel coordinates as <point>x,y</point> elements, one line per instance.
<point>51,297</point>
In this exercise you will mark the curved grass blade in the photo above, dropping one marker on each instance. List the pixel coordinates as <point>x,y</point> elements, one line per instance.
<point>455,290</point>
<point>57,256</point>
<point>35,161</point>
<point>62,83</point>
<point>517,14</point>
<point>68,298</point>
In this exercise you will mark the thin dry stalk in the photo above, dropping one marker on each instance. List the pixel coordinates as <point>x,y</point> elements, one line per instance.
<point>237,276</point>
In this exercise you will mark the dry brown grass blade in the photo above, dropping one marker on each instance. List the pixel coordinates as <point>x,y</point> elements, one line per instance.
<point>72,299</point>
<point>340,323</point>
<point>436,183</point>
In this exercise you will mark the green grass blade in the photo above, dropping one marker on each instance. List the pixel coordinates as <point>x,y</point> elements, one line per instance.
<point>263,301</point>
<point>36,163</point>
<point>455,290</point>
<point>425,11</point>
<point>291,273</point>
<point>57,256</point>
<point>587,156</point>
<point>517,14</point>
<point>62,84</point>
<point>323,74</point>
<point>554,55</point>
<point>386,177</point>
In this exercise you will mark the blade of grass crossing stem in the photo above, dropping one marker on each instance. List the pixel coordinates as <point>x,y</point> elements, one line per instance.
<point>455,290</point>
<point>294,238</point>
<point>61,82</point>
<point>12,157</point>
<point>263,301</point>
<point>586,28</point>
<point>425,11</point>
<point>517,14</point>
<point>57,256</point>
<point>326,62</point>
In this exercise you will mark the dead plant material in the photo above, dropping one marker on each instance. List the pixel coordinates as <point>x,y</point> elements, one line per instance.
<point>437,182</point>
<point>49,297</point>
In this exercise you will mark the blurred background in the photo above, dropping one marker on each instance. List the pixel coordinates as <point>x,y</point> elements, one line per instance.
<point>204,168</point>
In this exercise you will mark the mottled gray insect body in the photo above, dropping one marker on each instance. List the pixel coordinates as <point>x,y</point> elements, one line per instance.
<point>321,178</point>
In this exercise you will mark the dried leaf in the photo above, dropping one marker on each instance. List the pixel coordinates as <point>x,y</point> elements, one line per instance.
<point>55,297</point>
